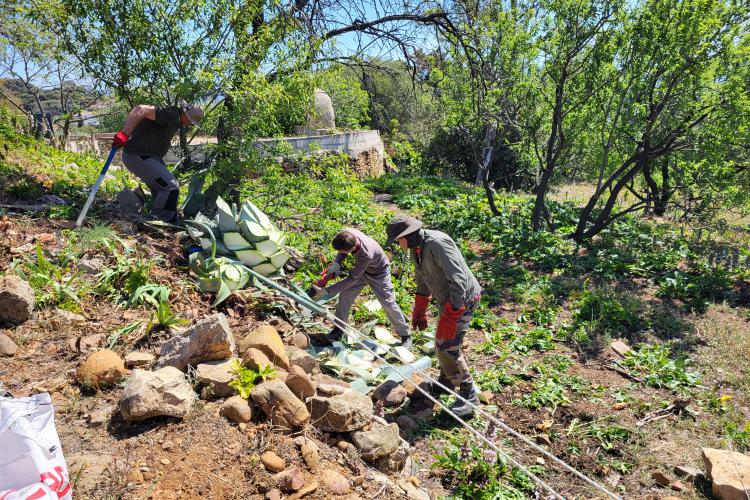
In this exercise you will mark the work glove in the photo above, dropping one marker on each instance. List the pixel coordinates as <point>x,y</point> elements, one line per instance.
<point>317,292</point>
<point>121,138</point>
<point>333,269</point>
<point>419,312</point>
<point>446,329</point>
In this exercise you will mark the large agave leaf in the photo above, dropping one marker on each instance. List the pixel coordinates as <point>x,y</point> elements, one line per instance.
<point>251,258</point>
<point>266,269</point>
<point>262,218</point>
<point>253,231</point>
<point>226,221</point>
<point>235,241</point>
<point>267,248</point>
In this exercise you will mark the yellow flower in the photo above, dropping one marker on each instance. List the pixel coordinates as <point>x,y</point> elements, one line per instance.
<point>725,398</point>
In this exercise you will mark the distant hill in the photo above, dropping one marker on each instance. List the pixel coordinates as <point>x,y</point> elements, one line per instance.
<point>79,96</point>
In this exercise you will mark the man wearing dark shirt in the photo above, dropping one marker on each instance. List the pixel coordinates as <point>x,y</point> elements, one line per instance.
<point>147,136</point>
<point>371,267</point>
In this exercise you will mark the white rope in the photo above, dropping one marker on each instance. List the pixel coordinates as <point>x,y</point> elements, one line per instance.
<point>314,306</point>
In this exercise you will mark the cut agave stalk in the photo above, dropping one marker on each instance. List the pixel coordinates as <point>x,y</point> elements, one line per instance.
<point>251,258</point>
<point>429,347</point>
<point>253,231</point>
<point>247,215</point>
<point>267,248</point>
<point>403,354</point>
<point>262,218</point>
<point>235,241</point>
<point>279,259</point>
<point>383,335</point>
<point>265,269</point>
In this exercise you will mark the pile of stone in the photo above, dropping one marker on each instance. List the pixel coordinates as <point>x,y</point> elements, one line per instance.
<point>297,397</point>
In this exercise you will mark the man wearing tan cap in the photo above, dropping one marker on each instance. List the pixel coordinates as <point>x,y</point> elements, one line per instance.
<point>147,136</point>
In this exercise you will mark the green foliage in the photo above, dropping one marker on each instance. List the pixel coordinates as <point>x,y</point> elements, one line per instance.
<point>114,338</point>
<point>53,282</point>
<point>738,435</point>
<point>247,378</point>
<point>152,294</point>
<point>350,101</point>
<point>475,473</point>
<point>494,379</point>
<point>608,312</point>
<point>654,364</point>
<point>164,318</point>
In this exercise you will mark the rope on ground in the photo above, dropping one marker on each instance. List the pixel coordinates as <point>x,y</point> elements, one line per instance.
<point>302,299</point>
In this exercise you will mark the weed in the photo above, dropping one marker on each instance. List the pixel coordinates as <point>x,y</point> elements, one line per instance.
<point>539,339</point>
<point>494,379</point>
<point>653,363</point>
<point>548,393</point>
<point>738,436</point>
<point>150,293</point>
<point>164,318</point>
<point>114,337</point>
<point>246,378</point>
<point>53,283</point>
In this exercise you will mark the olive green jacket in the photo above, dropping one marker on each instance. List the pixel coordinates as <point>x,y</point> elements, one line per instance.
<point>441,271</point>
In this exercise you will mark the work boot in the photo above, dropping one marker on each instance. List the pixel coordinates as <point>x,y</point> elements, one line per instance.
<point>461,408</point>
<point>406,341</point>
<point>334,335</point>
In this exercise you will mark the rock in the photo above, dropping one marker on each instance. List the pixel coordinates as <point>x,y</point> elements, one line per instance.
<point>689,473</point>
<point>335,482</point>
<point>310,455</point>
<point>138,358</point>
<point>660,478</point>
<point>82,344</point>
<point>290,479</point>
<point>303,359</point>
<point>16,299</point>
<point>300,340</point>
<point>543,439</point>
<point>306,490</point>
<point>216,375</point>
<point>395,462</point>
<point>272,461</point>
<point>68,317</point>
<point>390,393</point>
<point>165,461</point>
<point>91,266</point>
<point>324,379</point>
<point>129,202</point>
<point>208,340</point>
<point>406,424</point>
<point>620,347</point>
<point>358,480</point>
<point>7,346</point>
<point>300,383</point>
<point>237,409</point>
<point>380,441</point>
<point>677,486</point>
<point>341,413</point>
<point>329,390</point>
<point>619,406</point>
<point>267,340</point>
<point>255,359</point>
<point>89,469</point>
<point>413,492</point>
<point>164,392</point>
<point>485,397</point>
<point>99,416</point>
<point>135,476</point>
<point>101,368</point>
<point>274,494</point>
<point>280,404</point>
<point>729,473</point>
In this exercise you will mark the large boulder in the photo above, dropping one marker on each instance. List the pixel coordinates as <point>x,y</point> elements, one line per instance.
<point>729,473</point>
<point>267,340</point>
<point>345,412</point>
<point>379,440</point>
<point>16,299</point>
<point>164,392</point>
<point>101,368</point>
<point>209,339</point>
<point>216,375</point>
<point>280,404</point>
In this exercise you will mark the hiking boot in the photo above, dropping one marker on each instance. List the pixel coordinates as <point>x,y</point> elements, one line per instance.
<point>406,341</point>
<point>461,408</point>
<point>334,335</point>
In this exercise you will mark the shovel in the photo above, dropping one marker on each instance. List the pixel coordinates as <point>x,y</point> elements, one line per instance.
<point>94,189</point>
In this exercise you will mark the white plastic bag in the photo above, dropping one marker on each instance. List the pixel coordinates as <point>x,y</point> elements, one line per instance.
<point>32,465</point>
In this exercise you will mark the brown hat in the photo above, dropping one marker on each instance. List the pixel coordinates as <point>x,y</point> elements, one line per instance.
<point>194,113</point>
<point>400,226</point>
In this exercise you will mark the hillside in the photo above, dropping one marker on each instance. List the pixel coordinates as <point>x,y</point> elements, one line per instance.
<point>623,356</point>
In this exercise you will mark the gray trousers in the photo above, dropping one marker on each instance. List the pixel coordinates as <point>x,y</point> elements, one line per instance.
<point>452,361</point>
<point>164,187</point>
<point>382,287</point>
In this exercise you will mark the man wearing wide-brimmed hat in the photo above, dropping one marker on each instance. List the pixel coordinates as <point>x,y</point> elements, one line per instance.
<point>147,136</point>
<point>441,273</point>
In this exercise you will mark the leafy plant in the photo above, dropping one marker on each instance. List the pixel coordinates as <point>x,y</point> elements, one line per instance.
<point>164,318</point>
<point>658,369</point>
<point>114,337</point>
<point>247,378</point>
<point>53,284</point>
<point>151,293</point>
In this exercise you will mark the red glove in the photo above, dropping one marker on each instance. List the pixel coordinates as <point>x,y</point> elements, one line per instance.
<point>121,138</point>
<point>419,313</point>
<point>446,329</point>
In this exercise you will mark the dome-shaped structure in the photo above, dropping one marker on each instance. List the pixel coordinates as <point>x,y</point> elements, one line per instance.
<point>324,116</point>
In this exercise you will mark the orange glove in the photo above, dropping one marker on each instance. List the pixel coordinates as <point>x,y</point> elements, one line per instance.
<point>446,329</point>
<point>419,313</point>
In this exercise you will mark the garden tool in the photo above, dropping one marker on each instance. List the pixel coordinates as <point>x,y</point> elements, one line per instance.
<point>325,277</point>
<point>94,189</point>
